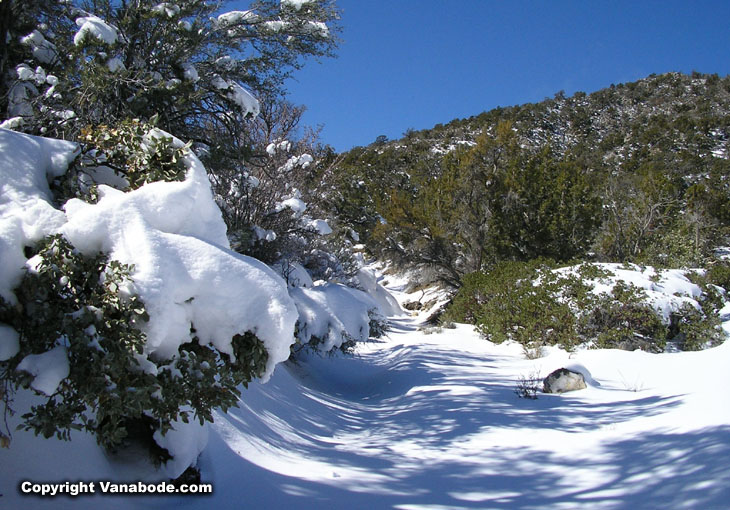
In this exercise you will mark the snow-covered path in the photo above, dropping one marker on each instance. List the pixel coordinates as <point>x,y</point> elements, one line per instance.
<point>431,421</point>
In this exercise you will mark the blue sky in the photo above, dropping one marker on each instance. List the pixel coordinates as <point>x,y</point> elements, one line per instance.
<point>415,63</point>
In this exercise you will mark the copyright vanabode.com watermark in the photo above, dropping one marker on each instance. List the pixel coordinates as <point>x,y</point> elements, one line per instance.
<point>45,489</point>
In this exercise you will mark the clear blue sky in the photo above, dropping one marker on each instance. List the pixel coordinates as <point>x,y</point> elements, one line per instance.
<point>415,63</point>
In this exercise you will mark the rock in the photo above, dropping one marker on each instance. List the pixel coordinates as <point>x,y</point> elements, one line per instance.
<point>563,380</point>
<point>412,305</point>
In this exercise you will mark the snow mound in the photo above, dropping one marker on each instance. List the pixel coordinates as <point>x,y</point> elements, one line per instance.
<point>48,368</point>
<point>26,213</point>
<point>174,235</point>
<point>332,313</point>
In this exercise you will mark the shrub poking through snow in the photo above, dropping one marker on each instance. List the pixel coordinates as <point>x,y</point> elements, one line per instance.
<point>624,320</point>
<point>129,313</point>
<point>604,305</point>
<point>527,386</point>
<point>126,156</point>
<point>81,346</point>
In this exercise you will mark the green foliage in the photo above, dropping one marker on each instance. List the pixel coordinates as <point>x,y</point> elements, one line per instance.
<point>83,304</point>
<point>719,274</point>
<point>536,305</point>
<point>696,329</point>
<point>518,301</point>
<point>636,172</point>
<point>133,151</point>
<point>136,152</point>
<point>623,320</point>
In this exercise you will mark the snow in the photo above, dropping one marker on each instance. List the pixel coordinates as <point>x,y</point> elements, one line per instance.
<point>26,214</point>
<point>302,161</point>
<point>9,344</point>
<point>12,123</point>
<point>94,26</point>
<point>191,73</point>
<point>333,313</point>
<point>240,96</point>
<point>667,290</point>
<point>295,4</point>
<point>275,25</point>
<point>174,236</point>
<point>417,421</point>
<point>317,28</point>
<point>167,9</point>
<point>48,368</point>
<point>321,226</point>
<point>236,17</point>
<point>387,304</point>
<point>43,50</point>
<point>187,440</point>
<point>296,204</point>
<point>25,73</point>
<point>115,64</point>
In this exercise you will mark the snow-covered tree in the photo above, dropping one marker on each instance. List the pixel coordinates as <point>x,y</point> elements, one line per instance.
<point>190,62</point>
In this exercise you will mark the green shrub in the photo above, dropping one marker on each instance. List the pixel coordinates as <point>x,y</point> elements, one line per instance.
<point>695,329</point>
<point>535,305</point>
<point>719,274</point>
<point>508,304</point>
<point>623,320</point>
<point>77,302</point>
<point>128,150</point>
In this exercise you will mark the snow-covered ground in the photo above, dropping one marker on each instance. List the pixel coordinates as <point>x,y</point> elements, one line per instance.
<point>432,421</point>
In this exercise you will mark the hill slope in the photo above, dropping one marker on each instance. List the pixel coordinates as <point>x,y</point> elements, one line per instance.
<point>635,172</point>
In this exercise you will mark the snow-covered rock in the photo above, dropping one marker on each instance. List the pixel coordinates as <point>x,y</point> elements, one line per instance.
<point>562,380</point>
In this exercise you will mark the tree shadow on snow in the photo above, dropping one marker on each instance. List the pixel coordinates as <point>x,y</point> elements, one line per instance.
<point>417,424</point>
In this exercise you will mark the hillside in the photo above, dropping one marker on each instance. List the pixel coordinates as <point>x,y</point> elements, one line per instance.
<point>628,173</point>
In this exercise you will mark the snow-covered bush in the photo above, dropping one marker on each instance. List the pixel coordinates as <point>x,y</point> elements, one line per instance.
<point>623,319</point>
<point>131,308</point>
<point>80,343</point>
<point>602,305</point>
<point>124,156</point>
<point>333,316</point>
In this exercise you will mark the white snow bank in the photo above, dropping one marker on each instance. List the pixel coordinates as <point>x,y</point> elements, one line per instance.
<point>26,214</point>
<point>187,440</point>
<point>333,313</point>
<point>173,233</point>
<point>386,303</point>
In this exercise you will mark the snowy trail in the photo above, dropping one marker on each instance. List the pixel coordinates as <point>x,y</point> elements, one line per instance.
<point>431,421</point>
